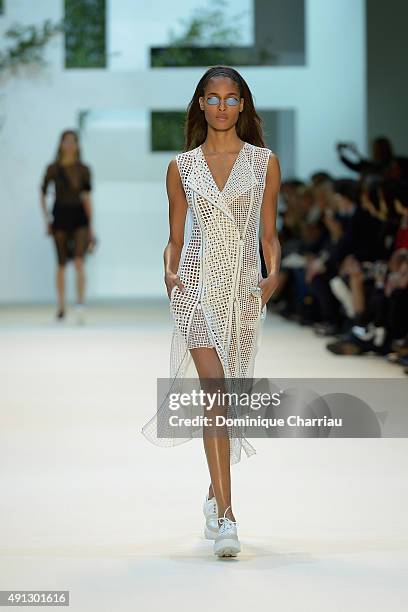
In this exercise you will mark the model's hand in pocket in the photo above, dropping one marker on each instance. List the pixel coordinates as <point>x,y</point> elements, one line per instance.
<point>172,280</point>
<point>268,286</point>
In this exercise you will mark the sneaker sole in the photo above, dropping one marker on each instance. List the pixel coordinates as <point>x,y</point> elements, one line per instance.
<point>227,548</point>
<point>209,534</point>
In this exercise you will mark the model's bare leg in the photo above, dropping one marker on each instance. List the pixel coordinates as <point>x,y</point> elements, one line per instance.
<point>81,240</point>
<point>60,240</point>
<point>217,445</point>
<point>80,279</point>
<point>60,285</point>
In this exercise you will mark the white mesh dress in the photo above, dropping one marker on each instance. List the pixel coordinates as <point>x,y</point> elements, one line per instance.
<point>219,265</point>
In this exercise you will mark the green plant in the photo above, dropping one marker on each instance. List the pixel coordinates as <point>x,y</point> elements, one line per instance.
<point>208,26</point>
<point>28,44</point>
<point>85,33</point>
<point>84,28</point>
<point>204,38</point>
<point>167,130</point>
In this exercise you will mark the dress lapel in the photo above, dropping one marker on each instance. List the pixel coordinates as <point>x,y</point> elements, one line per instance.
<point>241,179</point>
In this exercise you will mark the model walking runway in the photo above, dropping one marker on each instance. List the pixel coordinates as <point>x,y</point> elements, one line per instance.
<point>222,190</point>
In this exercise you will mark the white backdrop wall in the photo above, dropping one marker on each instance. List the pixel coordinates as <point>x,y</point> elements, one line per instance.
<point>327,96</point>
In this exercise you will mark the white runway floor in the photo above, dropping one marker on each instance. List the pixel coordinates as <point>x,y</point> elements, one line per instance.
<point>90,506</point>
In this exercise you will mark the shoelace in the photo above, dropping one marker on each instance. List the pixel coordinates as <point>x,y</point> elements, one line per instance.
<point>226,524</point>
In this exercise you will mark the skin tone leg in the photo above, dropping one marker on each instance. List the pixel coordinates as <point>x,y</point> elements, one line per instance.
<point>357,290</point>
<point>81,238</point>
<point>80,279</point>
<point>60,285</point>
<point>60,239</point>
<point>217,447</point>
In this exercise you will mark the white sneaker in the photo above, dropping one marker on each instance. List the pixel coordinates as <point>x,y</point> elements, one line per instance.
<point>80,313</point>
<point>210,510</point>
<point>226,543</point>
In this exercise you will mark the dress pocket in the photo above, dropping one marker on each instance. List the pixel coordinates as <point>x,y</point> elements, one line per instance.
<point>257,296</point>
<point>172,293</point>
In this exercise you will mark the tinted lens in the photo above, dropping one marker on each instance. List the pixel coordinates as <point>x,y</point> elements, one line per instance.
<point>212,100</point>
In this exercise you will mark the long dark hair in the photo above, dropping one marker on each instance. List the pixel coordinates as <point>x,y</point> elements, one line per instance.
<point>249,124</point>
<point>58,155</point>
<point>70,181</point>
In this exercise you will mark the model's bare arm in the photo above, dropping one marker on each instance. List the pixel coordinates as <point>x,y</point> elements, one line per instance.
<point>269,235</point>
<point>177,219</point>
<point>87,202</point>
<point>43,200</point>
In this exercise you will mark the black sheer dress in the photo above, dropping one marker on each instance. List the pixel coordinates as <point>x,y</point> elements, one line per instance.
<point>70,221</point>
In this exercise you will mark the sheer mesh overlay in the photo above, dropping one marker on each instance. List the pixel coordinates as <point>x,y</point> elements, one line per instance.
<point>219,265</point>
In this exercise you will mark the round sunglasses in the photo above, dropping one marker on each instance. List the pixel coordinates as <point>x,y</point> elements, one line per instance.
<point>213,100</point>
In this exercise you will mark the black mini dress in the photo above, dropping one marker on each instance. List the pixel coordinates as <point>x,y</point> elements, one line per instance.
<point>70,221</point>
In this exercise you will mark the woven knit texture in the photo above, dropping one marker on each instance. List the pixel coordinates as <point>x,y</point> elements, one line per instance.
<point>219,265</point>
